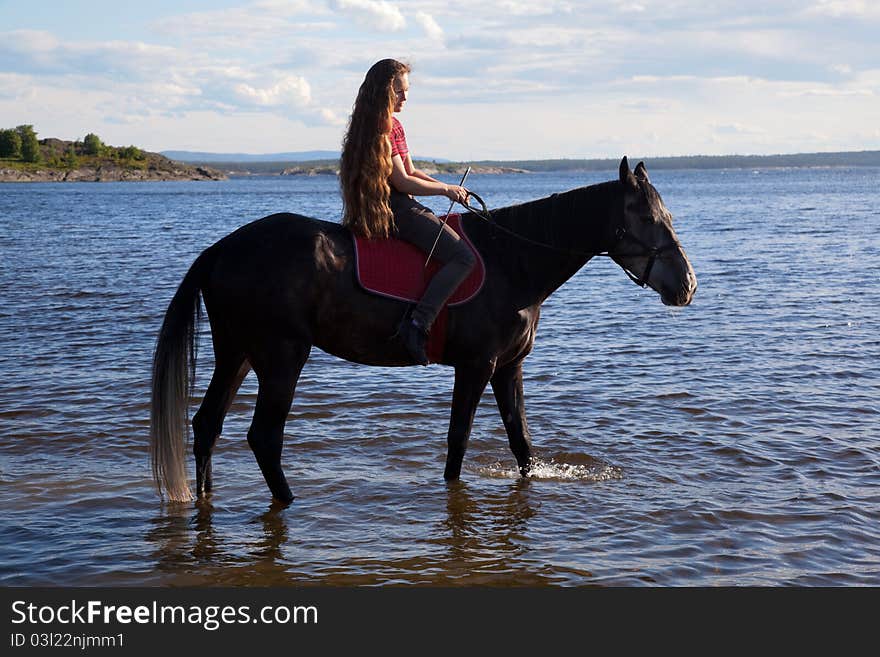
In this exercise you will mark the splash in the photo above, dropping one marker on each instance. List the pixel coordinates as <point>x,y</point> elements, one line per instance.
<point>553,470</point>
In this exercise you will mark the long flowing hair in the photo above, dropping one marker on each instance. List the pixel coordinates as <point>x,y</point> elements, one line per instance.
<point>365,166</point>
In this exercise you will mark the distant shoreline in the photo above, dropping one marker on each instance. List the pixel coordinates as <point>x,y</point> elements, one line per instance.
<point>161,168</point>
<point>107,173</point>
<point>432,167</point>
<point>67,161</point>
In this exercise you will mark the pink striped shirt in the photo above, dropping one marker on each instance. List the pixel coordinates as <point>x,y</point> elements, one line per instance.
<point>398,139</point>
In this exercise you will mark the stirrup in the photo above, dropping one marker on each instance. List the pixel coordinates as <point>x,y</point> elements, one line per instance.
<point>407,317</point>
<point>415,340</point>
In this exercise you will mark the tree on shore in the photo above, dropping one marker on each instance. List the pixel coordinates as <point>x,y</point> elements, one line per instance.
<point>130,153</point>
<point>30,147</point>
<point>70,160</point>
<point>10,144</point>
<point>92,144</point>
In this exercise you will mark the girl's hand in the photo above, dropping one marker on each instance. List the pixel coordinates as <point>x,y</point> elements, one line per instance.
<point>456,193</point>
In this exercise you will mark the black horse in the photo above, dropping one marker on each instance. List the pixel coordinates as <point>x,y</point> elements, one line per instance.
<point>279,285</point>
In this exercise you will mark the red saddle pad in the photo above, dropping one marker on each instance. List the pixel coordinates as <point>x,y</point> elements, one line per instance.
<point>396,269</point>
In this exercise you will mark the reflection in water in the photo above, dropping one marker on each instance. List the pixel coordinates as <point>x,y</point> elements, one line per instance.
<point>169,536</point>
<point>206,547</point>
<point>485,538</point>
<point>191,547</point>
<point>506,515</point>
<point>478,539</point>
<point>274,533</point>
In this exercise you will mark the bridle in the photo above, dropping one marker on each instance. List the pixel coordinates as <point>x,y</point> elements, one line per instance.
<point>650,251</point>
<point>621,235</point>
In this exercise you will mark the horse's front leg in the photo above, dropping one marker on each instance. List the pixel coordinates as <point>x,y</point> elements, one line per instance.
<point>507,384</point>
<point>470,382</point>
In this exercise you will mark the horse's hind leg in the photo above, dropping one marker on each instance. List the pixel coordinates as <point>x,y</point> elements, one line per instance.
<point>229,372</point>
<point>507,384</point>
<point>277,375</point>
<point>470,382</point>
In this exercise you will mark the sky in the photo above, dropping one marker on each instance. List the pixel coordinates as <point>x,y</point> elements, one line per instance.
<point>500,79</point>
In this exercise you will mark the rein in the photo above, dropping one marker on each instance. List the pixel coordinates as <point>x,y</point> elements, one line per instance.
<point>651,252</point>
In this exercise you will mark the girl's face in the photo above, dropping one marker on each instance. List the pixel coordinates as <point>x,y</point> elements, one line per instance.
<point>401,91</point>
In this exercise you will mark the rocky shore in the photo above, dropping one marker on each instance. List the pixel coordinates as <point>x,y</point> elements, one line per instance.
<point>311,171</point>
<point>459,169</point>
<point>109,173</point>
<point>427,167</point>
<point>66,161</point>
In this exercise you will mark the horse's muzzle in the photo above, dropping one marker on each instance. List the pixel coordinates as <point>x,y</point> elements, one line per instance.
<point>684,294</point>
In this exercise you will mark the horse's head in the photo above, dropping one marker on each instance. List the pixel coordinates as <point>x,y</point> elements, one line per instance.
<point>646,245</point>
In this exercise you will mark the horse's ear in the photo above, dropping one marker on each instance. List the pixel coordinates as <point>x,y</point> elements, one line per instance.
<point>642,172</point>
<point>626,176</point>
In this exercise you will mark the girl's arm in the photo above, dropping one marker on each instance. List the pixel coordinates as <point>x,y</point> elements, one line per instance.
<point>418,173</point>
<point>408,180</point>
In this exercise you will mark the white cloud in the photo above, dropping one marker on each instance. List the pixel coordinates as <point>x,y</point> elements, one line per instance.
<point>531,7</point>
<point>429,25</point>
<point>377,14</point>
<point>846,8</point>
<point>258,20</point>
<point>150,78</point>
<point>631,7</point>
<point>14,86</point>
<point>736,128</point>
<point>331,118</point>
<point>42,53</point>
<point>29,41</point>
<point>650,76</point>
<point>774,43</point>
<point>292,90</point>
<point>828,92</point>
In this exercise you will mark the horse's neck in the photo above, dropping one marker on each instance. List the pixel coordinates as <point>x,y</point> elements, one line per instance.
<point>560,234</point>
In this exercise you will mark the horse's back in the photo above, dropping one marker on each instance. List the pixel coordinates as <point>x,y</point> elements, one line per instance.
<point>283,230</point>
<point>272,263</point>
<point>281,238</point>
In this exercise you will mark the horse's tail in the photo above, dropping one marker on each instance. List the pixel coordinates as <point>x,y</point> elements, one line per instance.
<point>174,367</point>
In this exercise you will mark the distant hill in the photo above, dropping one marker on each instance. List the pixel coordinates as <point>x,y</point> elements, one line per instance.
<point>838,159</point>
<point>300,156</point>
<point>327,162</point>
<point>247,158</point>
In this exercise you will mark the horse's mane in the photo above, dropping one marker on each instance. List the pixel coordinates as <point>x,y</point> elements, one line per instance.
<point>546,220</point>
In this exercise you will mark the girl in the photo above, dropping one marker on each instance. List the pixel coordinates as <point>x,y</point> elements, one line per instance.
<point>378,180</point>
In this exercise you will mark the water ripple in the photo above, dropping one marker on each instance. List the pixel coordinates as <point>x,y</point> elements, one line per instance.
<point>734,442</point>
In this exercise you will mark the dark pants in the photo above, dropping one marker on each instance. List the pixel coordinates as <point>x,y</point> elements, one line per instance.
<point>417,225</point>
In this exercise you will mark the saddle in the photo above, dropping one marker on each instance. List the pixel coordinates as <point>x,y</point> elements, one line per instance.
<point>396,269</point>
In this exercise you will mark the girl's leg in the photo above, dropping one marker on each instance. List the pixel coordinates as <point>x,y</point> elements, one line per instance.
<point>417,225</point>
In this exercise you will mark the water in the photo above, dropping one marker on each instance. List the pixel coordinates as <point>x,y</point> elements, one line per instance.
<point>733,442</point>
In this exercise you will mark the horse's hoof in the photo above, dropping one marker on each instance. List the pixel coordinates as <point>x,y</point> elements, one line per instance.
<point>283,500</point>
<point>277,505</point>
